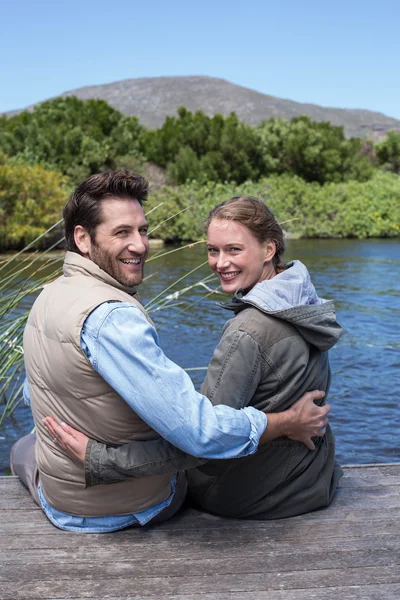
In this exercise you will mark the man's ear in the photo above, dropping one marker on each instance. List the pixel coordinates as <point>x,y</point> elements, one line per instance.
<point>82,240</point>
<point>270,250</point>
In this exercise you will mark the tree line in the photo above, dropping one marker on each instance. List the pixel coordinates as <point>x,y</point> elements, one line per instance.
<point>46,151</point>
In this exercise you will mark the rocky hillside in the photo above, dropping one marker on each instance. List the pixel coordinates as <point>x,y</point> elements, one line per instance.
<point>152,99</point>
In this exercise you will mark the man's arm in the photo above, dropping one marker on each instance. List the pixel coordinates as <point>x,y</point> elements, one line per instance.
<point>123,348</point>
<point>163,394</point>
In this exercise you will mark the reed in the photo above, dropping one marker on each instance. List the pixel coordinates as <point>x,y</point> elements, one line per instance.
<point>23,276</point>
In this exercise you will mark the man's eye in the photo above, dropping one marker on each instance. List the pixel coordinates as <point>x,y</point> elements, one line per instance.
<point>122,232</point>
<point>144,231</point>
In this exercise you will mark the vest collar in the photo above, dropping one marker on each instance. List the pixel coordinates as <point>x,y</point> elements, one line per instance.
<point>75,264</point>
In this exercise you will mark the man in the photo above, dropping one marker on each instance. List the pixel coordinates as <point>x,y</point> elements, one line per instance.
<point>92,359</point>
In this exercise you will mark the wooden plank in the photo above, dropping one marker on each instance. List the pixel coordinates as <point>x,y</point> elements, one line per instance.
<point>101,546</point>
<point>17,502</point>
<point>365,481</point>
<point>357,501</point>
<point>372,490</point>
<point>31,569</point>
<point>95,587</point>
<point>384,468</point>
<point>372,592</point>
<point>278,531</point>
<point>60,563</point>
<point>275,530</point>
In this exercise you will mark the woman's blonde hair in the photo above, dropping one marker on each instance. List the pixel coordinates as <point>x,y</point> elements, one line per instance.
<point>256,216</point>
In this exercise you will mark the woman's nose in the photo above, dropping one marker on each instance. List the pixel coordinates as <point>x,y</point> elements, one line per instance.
<point>223,261</point>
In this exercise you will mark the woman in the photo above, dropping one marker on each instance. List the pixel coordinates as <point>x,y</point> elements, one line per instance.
<point>273,350</point>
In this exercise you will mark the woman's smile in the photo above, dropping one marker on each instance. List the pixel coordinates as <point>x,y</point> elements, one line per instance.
<point>228,276</point>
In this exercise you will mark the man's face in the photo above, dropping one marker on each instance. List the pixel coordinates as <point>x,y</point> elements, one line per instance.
<point>120,245</point>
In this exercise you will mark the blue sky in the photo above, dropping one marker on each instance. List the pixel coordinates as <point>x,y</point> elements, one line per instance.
<point>334,53</point>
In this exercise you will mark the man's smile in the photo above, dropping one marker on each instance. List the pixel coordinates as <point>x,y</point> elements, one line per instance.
<point>131,261</point>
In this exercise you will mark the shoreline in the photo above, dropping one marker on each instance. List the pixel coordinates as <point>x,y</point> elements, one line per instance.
<point>158,243</point>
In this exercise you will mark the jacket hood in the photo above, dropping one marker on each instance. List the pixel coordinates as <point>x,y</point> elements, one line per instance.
<point>291,296</point>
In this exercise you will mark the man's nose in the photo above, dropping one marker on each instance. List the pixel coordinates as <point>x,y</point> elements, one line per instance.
<point>137,244</point>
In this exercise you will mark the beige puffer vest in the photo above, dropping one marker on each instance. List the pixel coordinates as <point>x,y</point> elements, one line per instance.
<point>63,384</point>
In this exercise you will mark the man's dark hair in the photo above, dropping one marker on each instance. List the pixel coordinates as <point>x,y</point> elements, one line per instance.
<point>84,205</point>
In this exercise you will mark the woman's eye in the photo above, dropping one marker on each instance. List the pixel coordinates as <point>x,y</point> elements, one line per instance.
<point>234,249</point>
<point>212,251</point>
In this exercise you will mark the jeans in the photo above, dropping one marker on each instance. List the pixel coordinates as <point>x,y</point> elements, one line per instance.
<point>23,464</point>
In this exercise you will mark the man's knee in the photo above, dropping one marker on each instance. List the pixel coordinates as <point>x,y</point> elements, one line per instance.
<point>23,452</point>
<point>23,464</point>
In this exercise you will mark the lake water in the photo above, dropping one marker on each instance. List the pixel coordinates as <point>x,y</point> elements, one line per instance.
<point>362,277</point>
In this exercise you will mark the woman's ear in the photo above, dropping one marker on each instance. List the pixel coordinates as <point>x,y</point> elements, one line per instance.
<point>82,240</point>
<point>270,250</point>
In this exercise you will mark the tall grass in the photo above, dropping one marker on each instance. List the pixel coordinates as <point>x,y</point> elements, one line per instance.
<point>21,279</point>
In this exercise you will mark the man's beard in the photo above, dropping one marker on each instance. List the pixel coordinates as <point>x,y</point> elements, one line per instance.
<point>113,267</point>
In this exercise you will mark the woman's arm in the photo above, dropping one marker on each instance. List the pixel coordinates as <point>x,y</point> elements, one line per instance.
<point>108,464</point>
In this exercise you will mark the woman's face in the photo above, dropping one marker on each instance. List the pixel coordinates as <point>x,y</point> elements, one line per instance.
<point>237,257</point>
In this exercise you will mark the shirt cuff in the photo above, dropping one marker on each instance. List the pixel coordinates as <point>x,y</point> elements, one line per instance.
<point>258,424</point>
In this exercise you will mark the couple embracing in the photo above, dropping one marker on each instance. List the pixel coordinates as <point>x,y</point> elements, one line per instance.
<point>121,434</point>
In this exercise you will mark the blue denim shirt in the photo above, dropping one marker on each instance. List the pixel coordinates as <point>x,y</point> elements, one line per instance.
<point>123,348</point>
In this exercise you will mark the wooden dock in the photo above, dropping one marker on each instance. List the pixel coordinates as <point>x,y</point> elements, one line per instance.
<point>349,551</point>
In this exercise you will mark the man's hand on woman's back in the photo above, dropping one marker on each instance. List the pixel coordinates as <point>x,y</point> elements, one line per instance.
<point>301,422</point>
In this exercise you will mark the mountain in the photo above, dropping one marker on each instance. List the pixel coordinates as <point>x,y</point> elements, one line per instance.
<point>152,99</point>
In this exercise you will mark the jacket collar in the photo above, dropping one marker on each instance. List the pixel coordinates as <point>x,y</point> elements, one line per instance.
<point>75,264</point>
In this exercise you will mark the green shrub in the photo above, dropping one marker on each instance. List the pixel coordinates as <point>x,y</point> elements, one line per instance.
<point>388,152</point>
<point>352,209</point>
<point>337,210</point>
<point>76,137</point>
<point>31,201</point>
<point>315,151</point>
<point>195,146</point>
